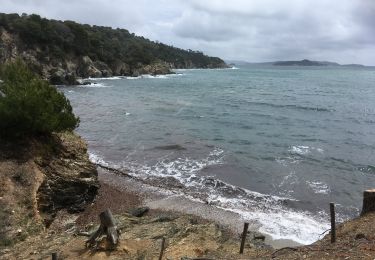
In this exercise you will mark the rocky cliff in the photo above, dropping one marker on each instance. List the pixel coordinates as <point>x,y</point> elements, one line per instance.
<point>62,51</point>
<point>67,70</point>
<point>38,178</point>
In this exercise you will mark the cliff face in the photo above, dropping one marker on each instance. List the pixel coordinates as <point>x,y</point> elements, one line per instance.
<point>65,71</point>
<point>40,178</point>
<point>62,51</point>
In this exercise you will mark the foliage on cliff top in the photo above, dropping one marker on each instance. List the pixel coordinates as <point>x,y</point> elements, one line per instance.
<point>60,38</point>
<point>30,106</point>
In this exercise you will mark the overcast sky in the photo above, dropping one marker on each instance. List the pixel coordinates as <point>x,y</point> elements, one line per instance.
<point>251,30</point>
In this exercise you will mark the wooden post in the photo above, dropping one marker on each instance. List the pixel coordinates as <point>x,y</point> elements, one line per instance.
<point>368,201</point>
<point>54,256</point>
<point>333,222</point>
<point>244,233</point>
<point>162,248</point>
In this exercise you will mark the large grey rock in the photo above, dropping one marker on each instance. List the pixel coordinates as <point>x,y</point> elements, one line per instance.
<point>61,77</point>
<point>103,68</point>
<point>120,68</point>
<point>86,68</point>
<point>139,212</point>
<point>158,68</point>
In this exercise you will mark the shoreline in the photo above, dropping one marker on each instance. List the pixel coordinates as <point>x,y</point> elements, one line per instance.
<point>158,199</point>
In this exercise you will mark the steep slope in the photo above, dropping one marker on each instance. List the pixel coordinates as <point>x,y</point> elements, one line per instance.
<point>40,177</point>
<point>61,51</point>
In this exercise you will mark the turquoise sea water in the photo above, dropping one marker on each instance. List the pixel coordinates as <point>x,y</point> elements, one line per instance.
<point>274,144</point>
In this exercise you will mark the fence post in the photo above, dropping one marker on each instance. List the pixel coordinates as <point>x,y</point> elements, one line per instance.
<point>54,256</point>
<point>162,248</point>
<point>368,201</point>
<point>244,233</point>
<point>333,222</point>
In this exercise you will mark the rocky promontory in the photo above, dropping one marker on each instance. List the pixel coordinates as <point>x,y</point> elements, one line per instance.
<point>64,51</point>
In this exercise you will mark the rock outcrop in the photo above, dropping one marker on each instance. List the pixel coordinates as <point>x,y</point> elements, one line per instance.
<point>38,178</point>
<point>159,68</point>
<point>67,71</point>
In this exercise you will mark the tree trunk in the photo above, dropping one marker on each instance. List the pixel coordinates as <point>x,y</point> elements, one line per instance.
<point>368,201</point>
<point>107,227</point>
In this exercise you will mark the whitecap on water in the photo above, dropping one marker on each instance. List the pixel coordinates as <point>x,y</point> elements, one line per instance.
<point>303,150</point>
<point>318,187</point>
<point>300,149</point>
<point>95,85</point>
<point>106,78</point>
<point>149,76</point>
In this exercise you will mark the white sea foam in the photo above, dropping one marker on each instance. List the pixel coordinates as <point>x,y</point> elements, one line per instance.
<point>268,211</point>
<point>97,159</point>
<point>277,221</point>
<point>300,149</point>
<point>107,78</point>
<point>148,76</point>
<point>303,150</point>
<point>287,160</point>
<point>95,85</point>
<point>319,187</point>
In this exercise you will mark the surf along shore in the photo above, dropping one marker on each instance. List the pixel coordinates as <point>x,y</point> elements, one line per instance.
<point>145,214</point>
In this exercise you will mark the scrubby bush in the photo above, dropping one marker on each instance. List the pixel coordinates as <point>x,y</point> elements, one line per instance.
<point>29,106</point>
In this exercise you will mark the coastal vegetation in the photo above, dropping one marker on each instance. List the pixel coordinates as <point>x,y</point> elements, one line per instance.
<point>60,51</point>
<point>30,106</point>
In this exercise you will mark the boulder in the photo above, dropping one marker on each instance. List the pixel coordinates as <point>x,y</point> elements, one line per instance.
<point>103,68</point>
<point>139,212</point>
<point>158,68</point>
<point>120,68</point>
<point>60,77</point>
<point>86,68</point>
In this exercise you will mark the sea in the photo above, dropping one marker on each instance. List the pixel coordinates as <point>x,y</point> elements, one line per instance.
<point>274,144</point>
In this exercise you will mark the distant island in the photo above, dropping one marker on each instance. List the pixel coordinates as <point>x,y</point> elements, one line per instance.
<point>62,51</point>
<point>304,62</point>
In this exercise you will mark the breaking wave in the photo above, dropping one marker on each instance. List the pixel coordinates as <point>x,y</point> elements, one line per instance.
<point>267,211</point>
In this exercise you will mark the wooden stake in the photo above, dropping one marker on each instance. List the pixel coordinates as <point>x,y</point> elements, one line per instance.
<point>162,248</point>
<point>244,233</point>
<point>368,201</point>
<point>333,222</point>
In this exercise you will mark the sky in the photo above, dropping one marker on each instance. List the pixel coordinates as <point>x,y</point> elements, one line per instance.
<point>250,30</point>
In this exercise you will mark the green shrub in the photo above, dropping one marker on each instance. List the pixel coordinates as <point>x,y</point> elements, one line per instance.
<point>29,106</point>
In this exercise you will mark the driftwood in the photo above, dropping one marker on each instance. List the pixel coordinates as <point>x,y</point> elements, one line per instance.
<point>368,201</point>
<point>107,227</point>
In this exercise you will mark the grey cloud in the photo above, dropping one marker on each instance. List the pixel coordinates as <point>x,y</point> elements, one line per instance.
<point>256,30</point>
<point>203,26</point>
